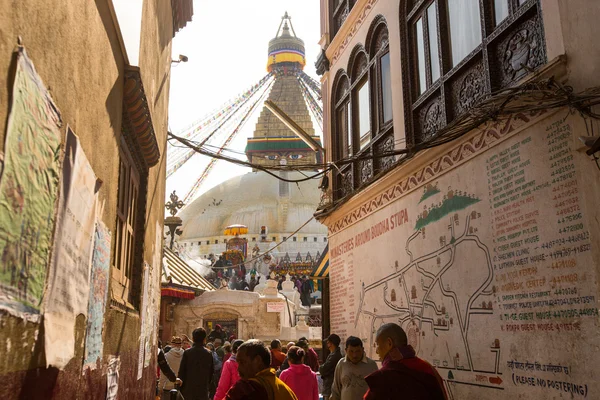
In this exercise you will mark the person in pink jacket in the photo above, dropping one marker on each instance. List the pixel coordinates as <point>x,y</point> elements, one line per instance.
<point>299,377</point>
<point>229,373</point>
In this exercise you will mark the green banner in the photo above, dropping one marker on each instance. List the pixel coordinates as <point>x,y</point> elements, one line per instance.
<point>28,190</point>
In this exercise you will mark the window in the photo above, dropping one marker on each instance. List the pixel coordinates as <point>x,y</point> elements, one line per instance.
<point>341,9</point>
<point>386,87</point>
<point>207,242</point>
<point>457,52</point>
<point>199,243</point>
<point>274,239</point>
<point>363,122</point>
<point>315,239</point>
<point>130,225</point>
<point>217,241</point>
<point>306,239</point>
<point>294,239</point>
<point>324,239</point>
<point>465,28</point>
<point>364,114</point>
<point>254,239</point>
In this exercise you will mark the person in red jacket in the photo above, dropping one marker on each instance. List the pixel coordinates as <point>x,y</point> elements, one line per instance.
<point>311,358</point>
<point>229,374</point>
<point>403,375</point>
<point>277,355</point>
<point>299,377</point>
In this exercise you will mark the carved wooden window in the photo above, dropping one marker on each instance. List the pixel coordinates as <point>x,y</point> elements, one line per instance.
<point>382,112</point>
<point>342,134</point>
<point>363,123</point>
<point>129,230</point>
<point>360,100</point>
<point>456,52</point>
<point>340,10</point>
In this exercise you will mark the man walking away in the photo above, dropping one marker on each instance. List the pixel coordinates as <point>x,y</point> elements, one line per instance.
<point>258,381</point>
<point>328,368</point>
<point>306,291</point>
<point>173,358</point>
<point>403,375</point>
<point>217,333</point>
<point>196,369</point>
<point>349,378</point>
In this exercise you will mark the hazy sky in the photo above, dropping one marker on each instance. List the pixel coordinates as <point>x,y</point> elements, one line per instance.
<point>226,44</point>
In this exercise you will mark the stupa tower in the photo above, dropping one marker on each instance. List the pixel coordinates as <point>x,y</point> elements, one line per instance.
<point>273,143</point>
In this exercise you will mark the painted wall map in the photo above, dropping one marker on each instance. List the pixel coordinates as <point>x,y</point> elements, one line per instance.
<point>488,268</point>
<point>28,190</point>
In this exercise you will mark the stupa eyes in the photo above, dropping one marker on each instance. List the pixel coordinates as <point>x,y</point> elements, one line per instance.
<point>296,156</point>
<point>272,157</point>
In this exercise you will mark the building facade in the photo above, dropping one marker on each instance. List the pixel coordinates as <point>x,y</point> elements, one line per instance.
<point>462,202</point>
<point>85,100</point>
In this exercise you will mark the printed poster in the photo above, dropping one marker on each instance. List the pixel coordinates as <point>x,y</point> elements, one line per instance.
<point>143,322</point>
<point>98,293</point>
<point>28,191</point>
<point>112,378</point>
<point>68,285</point>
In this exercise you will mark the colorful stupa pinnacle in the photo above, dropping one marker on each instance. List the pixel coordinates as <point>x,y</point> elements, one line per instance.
<point>273,143</point>
<point>285,49</point>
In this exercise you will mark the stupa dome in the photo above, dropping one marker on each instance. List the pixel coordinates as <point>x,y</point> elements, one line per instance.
<point>255,199</point>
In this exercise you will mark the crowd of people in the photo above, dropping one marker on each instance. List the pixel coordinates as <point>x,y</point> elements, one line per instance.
<point>213,369</point>
<point>236,278</point>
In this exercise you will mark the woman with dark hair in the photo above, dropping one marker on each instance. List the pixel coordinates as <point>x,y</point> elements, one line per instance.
<point>299,377</point>
<point>229,374</point>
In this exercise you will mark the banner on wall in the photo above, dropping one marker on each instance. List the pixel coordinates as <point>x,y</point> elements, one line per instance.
<point>28,191</point>
<point>68,286</point>
<point>99,279</point>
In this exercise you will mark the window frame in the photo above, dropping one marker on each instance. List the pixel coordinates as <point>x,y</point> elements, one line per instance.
<point>463,84</point>
<point>364,67</point>
<point>129,235</point>
<point>339,14</point>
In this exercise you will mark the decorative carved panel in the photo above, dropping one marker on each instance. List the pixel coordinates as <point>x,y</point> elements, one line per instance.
<point>359,65</point>
<point>520,51</point>
<point>340,18</point>
<point>384,146</point>
<point>366,171</point>
<point>467,89</point>
<point>347,186</point>
<point>431,119</point>
<point>381,40</point>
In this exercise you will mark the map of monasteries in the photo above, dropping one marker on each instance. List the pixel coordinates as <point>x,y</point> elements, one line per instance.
<point>443,323</point>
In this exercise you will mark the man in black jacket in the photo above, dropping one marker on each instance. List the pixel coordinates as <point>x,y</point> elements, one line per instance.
<point>327,369</point>
<point>196,369</point>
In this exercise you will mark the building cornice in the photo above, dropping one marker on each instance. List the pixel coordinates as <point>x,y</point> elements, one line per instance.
<point>357,16</point>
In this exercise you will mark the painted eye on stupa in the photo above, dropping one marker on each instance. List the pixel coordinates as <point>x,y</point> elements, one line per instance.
<point>296,156</point>
<point>272,157</point>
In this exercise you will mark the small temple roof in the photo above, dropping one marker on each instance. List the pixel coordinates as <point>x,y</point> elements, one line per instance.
<point>181,280</point>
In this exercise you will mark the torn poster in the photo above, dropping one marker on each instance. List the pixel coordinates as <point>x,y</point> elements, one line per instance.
<point>154,310</point>
<point>28,191</point>
<point>112,378</point>
<point>142,324</point>
<point>99,279</point>
<point>68,286</point>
